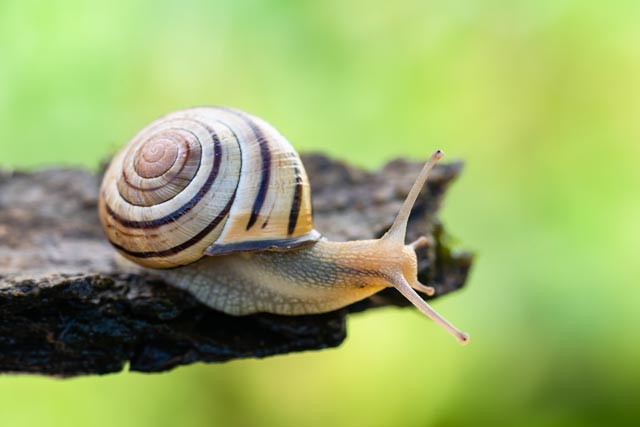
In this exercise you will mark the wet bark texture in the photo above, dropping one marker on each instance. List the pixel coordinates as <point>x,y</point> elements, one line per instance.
<point>68,307</point>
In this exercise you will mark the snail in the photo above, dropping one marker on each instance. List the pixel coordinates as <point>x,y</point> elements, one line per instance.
<point>220,201</point>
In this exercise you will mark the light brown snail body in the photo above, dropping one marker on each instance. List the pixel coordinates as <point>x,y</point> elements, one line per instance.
<point>221,200</point>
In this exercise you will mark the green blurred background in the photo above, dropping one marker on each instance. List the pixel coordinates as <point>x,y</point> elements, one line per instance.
<point>540,98</point>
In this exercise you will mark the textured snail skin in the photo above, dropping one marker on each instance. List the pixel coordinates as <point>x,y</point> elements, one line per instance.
<point>221,200</point>
<point>317,278</point>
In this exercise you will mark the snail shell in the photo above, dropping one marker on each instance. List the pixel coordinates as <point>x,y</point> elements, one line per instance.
<point>208,180</point>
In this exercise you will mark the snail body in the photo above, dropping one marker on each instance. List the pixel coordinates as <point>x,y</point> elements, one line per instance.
<point>316,278</point>
<point>220,200</point>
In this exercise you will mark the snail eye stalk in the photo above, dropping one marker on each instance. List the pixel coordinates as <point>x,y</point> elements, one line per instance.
<point>407,286</point>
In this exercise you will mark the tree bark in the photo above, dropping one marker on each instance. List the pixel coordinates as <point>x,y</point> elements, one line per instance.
<point>69,307</point>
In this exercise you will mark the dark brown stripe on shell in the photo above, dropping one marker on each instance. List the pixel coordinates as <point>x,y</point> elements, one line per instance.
<point>266,221</point>
<point>173,216</point>
<point>266,163</point>
<point>295,204</point>
<point>179,248</point>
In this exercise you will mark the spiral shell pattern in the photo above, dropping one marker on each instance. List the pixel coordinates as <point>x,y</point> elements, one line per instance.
<point>205,181</point>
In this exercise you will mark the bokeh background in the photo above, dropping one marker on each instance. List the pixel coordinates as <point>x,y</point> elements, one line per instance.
<point>541,98</point>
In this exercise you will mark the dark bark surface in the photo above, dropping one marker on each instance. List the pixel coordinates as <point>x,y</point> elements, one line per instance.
<point>68,307</point>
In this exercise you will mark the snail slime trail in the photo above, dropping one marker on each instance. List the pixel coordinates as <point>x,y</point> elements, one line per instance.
<point>220,200</point>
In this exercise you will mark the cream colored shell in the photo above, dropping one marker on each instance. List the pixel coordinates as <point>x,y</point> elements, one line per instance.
<point>205,181</point>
